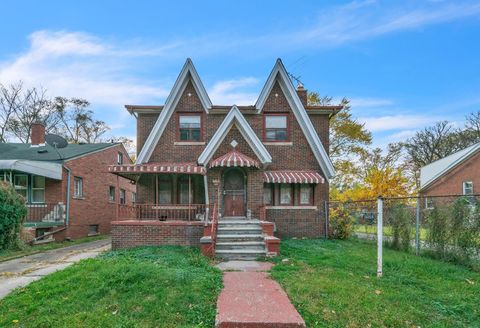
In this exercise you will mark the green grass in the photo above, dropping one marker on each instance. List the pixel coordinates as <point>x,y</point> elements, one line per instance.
<point>334,284</point>
<point>28,250</point>
<point>145,287</point>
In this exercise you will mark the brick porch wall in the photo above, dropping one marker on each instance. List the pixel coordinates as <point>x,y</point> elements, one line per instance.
<point>297,222</point>
<point>127,234</point>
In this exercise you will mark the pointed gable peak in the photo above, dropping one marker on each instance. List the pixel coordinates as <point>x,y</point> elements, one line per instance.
<point>187,73</point>
<point>234,116</point>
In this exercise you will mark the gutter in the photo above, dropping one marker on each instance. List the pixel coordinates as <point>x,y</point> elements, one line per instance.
<point>67,214</point>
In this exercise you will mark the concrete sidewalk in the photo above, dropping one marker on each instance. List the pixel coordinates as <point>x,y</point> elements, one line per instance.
<point>251,299</point>
<point>22,271</point>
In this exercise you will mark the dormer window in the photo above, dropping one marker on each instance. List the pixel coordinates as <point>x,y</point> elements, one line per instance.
<point>276,127</point>
<point>190,127</point>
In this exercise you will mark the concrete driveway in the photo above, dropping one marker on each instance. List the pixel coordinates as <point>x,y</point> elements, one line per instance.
<point>22,271</point>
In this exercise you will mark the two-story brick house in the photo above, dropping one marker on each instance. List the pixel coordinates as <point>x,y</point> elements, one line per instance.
<point>267,161</point>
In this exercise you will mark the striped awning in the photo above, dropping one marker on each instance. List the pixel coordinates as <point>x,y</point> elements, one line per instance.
<point>234,158</point>
<point>186,168</point>
<point>292,177</point>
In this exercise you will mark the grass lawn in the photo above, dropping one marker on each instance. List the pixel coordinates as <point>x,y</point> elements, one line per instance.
<point>144,287</point>
<point>28,250</point>
<point>334,284</point>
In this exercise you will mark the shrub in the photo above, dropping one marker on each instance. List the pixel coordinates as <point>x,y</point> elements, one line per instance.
<point>12,214</point>
<point>341,223</point>
<point>400,220</point>
<point>437,221</point>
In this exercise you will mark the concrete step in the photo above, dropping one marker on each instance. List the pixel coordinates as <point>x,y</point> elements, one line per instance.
<point>227,218</point>
<point>238,237</point>
<point>241,245</point>
<point>239,222</point>
<point>231,254</point>
<point>239,230</point>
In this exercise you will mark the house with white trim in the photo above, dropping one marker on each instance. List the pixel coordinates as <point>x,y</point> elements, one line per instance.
<point>236,177</point>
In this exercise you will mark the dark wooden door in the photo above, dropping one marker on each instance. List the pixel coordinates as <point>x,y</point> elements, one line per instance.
<point>234,193</point>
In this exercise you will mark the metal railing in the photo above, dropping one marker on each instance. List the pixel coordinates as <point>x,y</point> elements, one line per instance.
<point>45,212</point>
<point>174,212</point>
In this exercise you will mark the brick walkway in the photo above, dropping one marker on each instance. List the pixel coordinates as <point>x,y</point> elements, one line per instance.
<point>251,299</point>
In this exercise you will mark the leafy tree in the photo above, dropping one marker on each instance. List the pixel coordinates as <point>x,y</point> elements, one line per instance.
<point>349,140</point>
<point>12,214</point>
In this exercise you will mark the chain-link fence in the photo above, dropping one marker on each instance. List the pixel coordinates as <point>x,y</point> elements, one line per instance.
<point>445,227</point>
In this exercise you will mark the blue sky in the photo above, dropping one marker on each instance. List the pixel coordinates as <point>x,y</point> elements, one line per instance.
<point>404,64</point>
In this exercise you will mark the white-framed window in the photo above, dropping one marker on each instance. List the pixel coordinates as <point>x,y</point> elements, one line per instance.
<point>77,187</point>
<point>429,204</point>
<point>276,128</point>
<point>38,189</point>
<point>190,127</point>
<point>20,183</point>
<point>111,194</point>
<point>306,194</point>
<point>286,194</point>
<point>122,196</point>
<point>119,158</point>
<point>468,188</point>
<point>134,197</point>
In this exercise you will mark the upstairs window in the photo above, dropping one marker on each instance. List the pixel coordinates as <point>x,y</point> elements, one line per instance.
<point>119,158</point>
<point>190,127</point>
<point>77,187</point>
<point>276,128</point>
<point>468,188</point>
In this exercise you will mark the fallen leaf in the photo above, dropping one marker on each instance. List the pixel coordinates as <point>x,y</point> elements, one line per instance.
<point>378,292</point>
<point>471,282</point>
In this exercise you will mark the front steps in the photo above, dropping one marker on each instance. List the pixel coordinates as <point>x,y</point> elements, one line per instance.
<point>239,239</point>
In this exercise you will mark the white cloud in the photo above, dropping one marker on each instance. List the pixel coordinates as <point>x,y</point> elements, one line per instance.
<point>234,92</point>
<point>369,19</point>
<point>402,135</point>
<point>396,122</point>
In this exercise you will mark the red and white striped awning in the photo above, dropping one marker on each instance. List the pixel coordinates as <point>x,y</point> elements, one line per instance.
<point>234,158</point>
<point>292,177</point>
<point>186,168</point>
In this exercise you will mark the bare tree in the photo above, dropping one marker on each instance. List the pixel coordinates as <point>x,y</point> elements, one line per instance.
<point>76,121</point>
<point>473,125</point>
<point>9,96</point>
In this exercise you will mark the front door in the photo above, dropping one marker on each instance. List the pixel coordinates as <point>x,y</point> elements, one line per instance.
<point>234,193</point>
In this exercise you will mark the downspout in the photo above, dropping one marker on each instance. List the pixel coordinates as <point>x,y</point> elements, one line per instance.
<point>67,214</point>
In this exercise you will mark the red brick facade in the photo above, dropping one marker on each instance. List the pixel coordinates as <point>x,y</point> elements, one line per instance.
<point>94,208</point>
<point>451,183</point>
<point>294,154</point>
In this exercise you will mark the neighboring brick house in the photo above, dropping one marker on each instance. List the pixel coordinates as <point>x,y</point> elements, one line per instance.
<point>266,161</point>
<point>67,190</point>
<point>457,174</point>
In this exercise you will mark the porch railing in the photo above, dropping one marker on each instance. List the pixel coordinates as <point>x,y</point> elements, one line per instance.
<point>180,212</point>
<point>46,212</point>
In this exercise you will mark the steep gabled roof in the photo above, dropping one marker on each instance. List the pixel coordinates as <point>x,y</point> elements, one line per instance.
<point>431,172</point>
<point>234,116</point>
<point>279,73</point>
<point>188,71</point>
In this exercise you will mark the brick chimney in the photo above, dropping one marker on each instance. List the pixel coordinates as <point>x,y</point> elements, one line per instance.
<point>37,134</point>
<point>302,94</point>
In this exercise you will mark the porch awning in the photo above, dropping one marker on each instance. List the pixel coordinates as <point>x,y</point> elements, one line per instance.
<point>234,158</point>
<point>42,168</point>
<point>132,170</point>
<point>292,177</point>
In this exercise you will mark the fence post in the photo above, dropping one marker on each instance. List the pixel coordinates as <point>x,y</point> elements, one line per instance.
<point>379,236</point>
<point>417,228</point>
<point>326,219</point>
